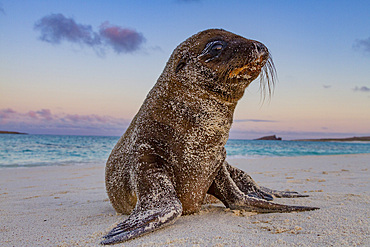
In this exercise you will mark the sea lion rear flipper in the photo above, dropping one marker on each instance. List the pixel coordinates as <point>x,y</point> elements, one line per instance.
<point>157,206</point>
<point>281,193</point>
<point>248,186</point>
<point>226,190</point>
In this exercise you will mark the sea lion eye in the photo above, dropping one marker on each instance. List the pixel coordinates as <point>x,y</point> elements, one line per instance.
<point>213,50</point>
<point>217,47</point>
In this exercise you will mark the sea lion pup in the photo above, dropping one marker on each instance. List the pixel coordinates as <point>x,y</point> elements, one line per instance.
<point>173,153</point>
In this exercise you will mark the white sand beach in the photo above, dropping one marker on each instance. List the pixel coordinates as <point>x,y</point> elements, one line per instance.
<point>68,206</point>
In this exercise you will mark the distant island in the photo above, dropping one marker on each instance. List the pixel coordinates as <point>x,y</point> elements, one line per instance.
<point>12,132</point>
<point>270,138</point>
<point>349,139</point>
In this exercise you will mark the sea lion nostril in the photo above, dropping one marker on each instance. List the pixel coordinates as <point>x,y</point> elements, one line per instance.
<point>260,48</point>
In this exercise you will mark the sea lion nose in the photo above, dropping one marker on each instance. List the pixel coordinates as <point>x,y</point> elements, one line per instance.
<point>260,48</point>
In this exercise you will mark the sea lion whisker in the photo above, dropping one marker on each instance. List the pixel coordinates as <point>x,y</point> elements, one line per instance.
<point>267,78</point>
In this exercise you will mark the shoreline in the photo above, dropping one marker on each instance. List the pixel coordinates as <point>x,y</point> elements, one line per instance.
<point>67,206</point>
<point>230,158</point>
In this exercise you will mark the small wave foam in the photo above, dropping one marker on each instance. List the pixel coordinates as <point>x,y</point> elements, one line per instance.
<point>248,157</point>
<point>44,164</point>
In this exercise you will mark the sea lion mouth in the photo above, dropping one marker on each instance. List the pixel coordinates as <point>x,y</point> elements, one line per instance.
<point>248,71</point>
<point>240,73</point>
<point>263,68</point>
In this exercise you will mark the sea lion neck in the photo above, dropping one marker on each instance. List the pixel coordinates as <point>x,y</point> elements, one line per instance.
<point>186,102</point>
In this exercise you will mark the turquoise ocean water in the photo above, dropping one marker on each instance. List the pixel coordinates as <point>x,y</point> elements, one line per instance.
<point>49,150</point>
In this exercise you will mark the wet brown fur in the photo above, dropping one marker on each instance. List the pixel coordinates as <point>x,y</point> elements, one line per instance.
<point>173,154</point>
<point>212,81</point>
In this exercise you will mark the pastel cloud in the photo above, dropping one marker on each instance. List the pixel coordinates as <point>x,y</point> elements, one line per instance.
<point>45,122</point>
<point>86,118</point>
<point>8,111</point>
<point>43,114</point>
<point>5,114</point>
<point>362,45</point>
<point>32,114</point>
<point>121,39</point>
<point>361,89</point>
<point>56,28</point>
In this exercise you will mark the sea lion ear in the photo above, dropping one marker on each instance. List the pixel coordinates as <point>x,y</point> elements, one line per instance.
<point>182,63</point>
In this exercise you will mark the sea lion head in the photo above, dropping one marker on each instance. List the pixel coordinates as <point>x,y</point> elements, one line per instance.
<point>222,63</point>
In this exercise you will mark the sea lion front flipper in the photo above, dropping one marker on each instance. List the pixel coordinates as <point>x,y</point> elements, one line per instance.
<point>226,190</point>
<point>157,206</point>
